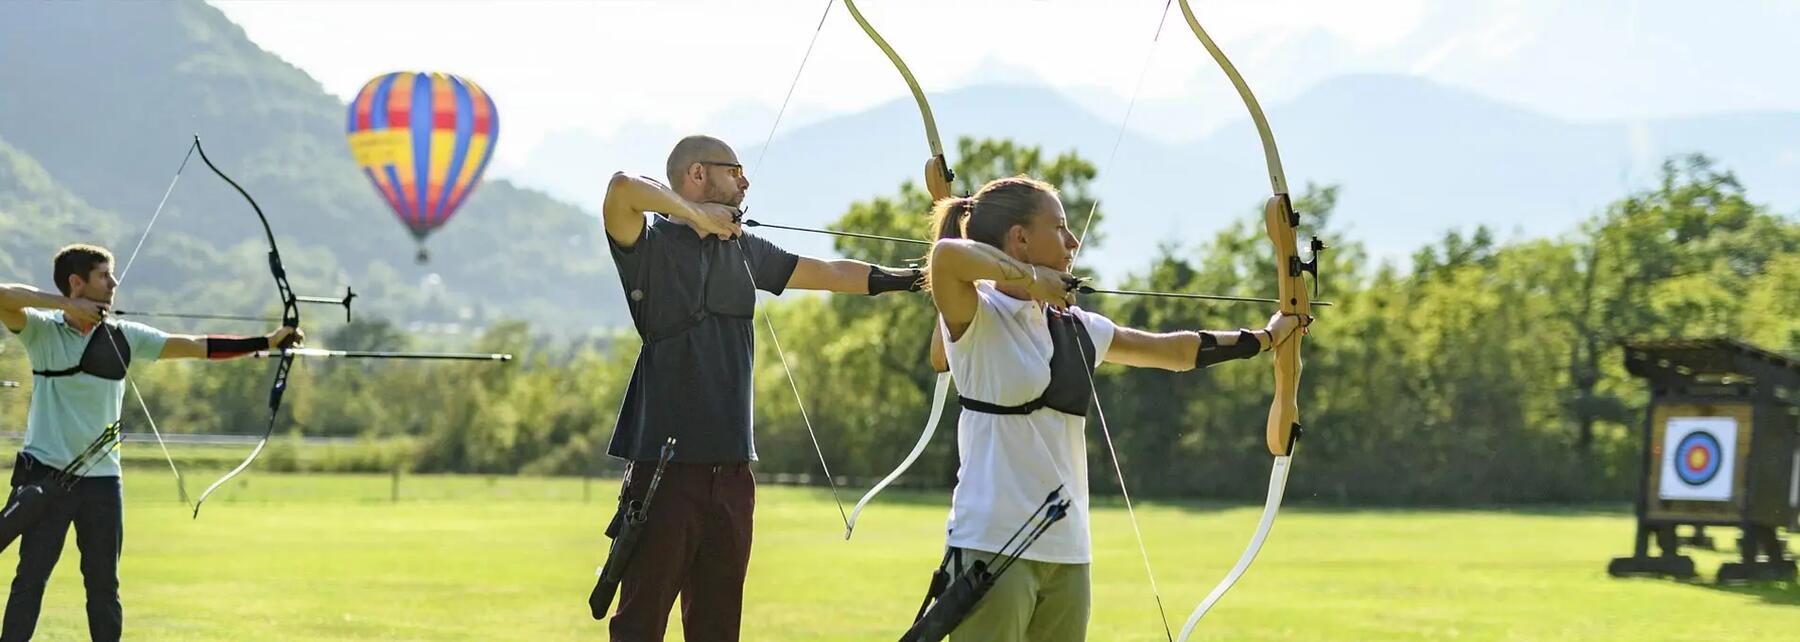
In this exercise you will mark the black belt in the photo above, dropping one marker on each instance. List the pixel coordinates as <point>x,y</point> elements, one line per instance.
<point>984,407</point>
<point>1043,401</point>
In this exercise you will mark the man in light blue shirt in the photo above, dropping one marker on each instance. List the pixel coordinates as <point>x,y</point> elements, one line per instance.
<point>79,359</point>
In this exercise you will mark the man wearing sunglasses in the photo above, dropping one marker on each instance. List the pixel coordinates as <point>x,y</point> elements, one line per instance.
<point>79,359</point>
<point>690,275</point>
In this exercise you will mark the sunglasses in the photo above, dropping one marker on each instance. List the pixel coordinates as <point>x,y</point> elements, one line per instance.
<point>736,169</point>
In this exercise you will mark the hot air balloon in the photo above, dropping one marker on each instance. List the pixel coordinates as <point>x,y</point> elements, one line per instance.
<point>423,140</point>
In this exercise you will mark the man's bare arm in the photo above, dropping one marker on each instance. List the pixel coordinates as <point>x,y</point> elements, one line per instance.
<point>16,297</point>
<point>221,348</point>
<point>849,276</point>
<point>629,197</point>
<point>184,346</point>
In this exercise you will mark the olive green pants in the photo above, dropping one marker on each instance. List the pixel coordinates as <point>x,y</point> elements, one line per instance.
<point>1032,602</point>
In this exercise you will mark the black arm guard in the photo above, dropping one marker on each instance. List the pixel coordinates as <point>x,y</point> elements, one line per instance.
<point>881,280</point>
<point>224,347</point>
<point>1211,352</point>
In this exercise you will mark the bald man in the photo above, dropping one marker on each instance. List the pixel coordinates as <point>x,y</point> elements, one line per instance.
<point>690,274</point>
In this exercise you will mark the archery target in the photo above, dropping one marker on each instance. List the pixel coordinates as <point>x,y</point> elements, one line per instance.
<point>1697,458</point>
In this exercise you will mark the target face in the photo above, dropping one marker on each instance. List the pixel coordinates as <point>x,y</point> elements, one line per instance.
<point>1697,458</point>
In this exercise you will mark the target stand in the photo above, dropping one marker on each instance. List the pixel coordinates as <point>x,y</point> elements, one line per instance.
<point>1721,447</point>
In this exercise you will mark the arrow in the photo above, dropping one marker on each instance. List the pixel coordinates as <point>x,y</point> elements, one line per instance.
<point>1083,289</point>
<point>315,353</point>
<point>189,315</point>
<point>1181,295</point>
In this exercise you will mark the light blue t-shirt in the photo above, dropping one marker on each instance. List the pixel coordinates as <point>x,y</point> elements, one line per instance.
<point>68,413</point>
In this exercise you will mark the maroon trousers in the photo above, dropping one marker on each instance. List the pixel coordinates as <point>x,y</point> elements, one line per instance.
<point>696,544</point>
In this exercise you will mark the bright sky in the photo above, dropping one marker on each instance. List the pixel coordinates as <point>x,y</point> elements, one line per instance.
<point>605,64</point>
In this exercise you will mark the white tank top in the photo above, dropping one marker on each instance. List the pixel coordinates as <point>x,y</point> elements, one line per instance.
<point>1010,463</point>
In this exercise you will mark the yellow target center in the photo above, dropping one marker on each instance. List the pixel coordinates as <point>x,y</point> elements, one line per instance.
<point>1697,459</point>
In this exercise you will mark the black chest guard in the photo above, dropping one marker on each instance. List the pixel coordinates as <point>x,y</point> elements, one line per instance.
<point>1071,372</point>
<point>107,356</point>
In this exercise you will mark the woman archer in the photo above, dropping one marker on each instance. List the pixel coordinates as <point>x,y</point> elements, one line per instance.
<point>1023,355</point>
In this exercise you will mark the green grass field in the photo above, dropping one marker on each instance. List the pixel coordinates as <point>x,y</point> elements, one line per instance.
<point>314,557</point>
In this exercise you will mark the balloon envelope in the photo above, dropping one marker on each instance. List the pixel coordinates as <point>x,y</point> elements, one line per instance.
<point>423,140</point>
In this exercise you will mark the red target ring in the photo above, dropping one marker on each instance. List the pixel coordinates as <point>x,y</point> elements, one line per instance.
<point>1697,458</point>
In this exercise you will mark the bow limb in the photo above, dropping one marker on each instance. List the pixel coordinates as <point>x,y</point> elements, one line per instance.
<point>1280,222</point>
<point>1277,487</point>
<point>937,170</point>
<point>937,411</point>
<point>290,317</point>
<point>938,178</point>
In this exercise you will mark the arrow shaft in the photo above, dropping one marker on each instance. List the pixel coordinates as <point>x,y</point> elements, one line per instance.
<point>1085,290</point>
<point>1183,295</point>
<point>364,354</point>
<point>187,315</point>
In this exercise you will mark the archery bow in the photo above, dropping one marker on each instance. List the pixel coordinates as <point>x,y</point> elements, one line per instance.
<point>290,318</point>
<point>938,178</point>
<point>1280,222</point>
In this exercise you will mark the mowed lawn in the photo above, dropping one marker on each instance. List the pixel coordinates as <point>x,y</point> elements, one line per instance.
<point>298,557</point>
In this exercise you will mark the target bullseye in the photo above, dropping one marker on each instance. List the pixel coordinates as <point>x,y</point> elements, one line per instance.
<point>1699,455</point>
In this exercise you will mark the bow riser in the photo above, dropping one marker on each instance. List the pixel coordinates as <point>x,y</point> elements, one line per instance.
<point>938,177</point>
<point>1280,220</point>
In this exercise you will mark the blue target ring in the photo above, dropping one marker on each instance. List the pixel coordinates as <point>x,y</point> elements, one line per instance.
<point>1697,458</point>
